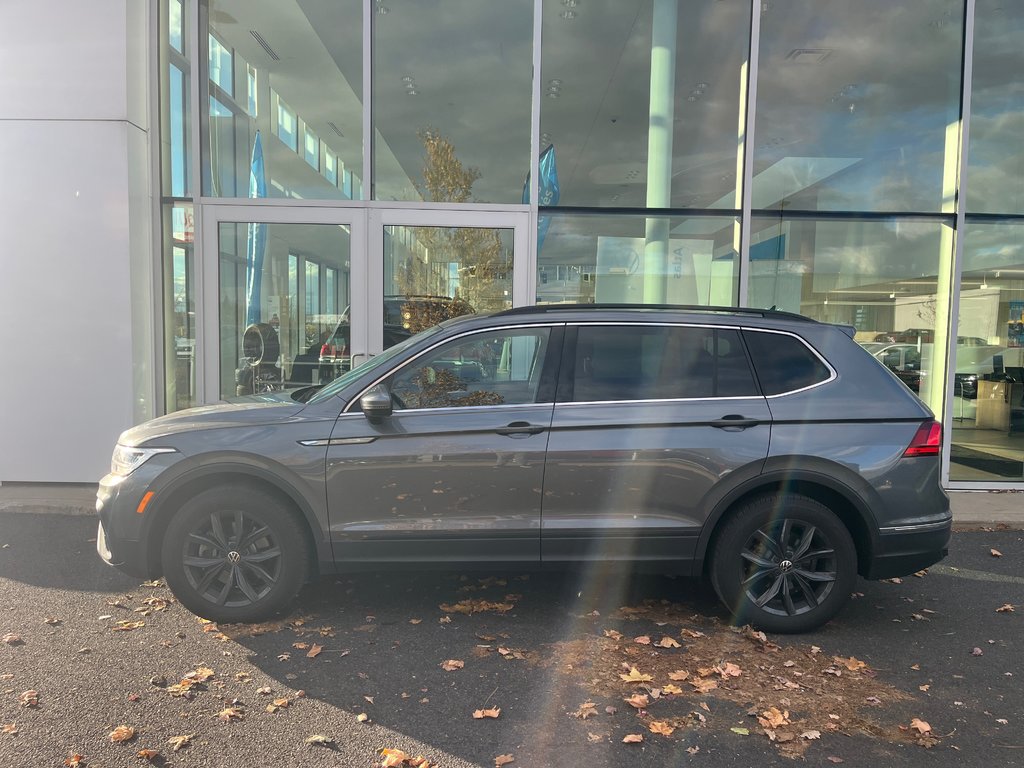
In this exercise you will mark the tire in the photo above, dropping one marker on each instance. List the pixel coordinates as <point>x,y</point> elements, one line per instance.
<point>222,578</point>
<point>784,563</point>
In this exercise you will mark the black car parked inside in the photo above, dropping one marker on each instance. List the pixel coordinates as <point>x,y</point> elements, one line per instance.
<point>760,449</point>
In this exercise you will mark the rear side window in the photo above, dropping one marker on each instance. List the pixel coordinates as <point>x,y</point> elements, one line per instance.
<point>783,362</point>
<point>658,362</point>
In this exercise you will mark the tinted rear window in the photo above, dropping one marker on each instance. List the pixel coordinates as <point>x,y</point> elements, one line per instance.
<point>659,362</point>
<point>783,362</point>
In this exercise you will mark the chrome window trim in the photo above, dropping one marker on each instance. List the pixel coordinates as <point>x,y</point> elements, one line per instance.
<point>445,340</point>
<point>659,400</point>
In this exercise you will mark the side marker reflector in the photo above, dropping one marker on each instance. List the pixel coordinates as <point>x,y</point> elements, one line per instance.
<point>144,503</point>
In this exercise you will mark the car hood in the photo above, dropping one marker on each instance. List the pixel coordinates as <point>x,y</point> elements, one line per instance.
<point>266,410</point>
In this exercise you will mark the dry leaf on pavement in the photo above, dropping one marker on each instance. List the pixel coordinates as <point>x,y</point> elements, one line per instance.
<point>179,742</point>
<point>450,665</point>
<point>1006,608</point>
<point>313,652</point>
<point>667,642</point>
<point>679,674</point>
<point>773,718</point>
<point>230,713</point>
<point>29,699</point>
<point>613,634</point>
<point>148,754</point>
<point>501,760</point>
<point>122,733</point>
<point>10,728</point>
<point>482,713</point>
<point>12,639</point>
<point>638,700</point>
<point>661,727</point>
<point>586,709</point>
<point>632,738</point>
<point>317,738</point>
<point>636,676</point>
<point>643,640</point>
<point>996,553</point>
<point>74,760</point>
<point>920,726</point>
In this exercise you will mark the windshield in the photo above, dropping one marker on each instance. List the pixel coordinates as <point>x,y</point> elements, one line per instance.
<point>377,361</point>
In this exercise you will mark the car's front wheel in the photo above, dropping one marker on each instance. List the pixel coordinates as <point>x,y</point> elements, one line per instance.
<point>784,563</point>
<point>234,554</point>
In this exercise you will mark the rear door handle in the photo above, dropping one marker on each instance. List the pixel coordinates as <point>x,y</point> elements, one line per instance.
<point>520,428</point>
<point>735,421</point>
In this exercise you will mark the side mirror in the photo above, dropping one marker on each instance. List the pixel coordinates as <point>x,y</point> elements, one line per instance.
<point>376,404</point>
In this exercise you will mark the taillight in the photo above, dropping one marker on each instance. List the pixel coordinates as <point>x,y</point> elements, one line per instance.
<point>927,441</point>
<point>325,350</point>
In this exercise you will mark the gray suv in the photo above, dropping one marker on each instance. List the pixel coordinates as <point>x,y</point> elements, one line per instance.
<point>761,449</point>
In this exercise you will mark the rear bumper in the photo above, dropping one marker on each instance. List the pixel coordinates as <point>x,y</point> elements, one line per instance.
<point>906,549</point>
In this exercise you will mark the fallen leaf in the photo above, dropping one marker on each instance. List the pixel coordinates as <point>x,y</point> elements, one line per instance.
<point>482,713</point>
<point>667,642</point>
<point>278,704</point>
<point>470,607</point>
<point>679,674</point>
<point>501,760</point>
<point>283,656</point>
<point>741,731</point>
<point>201,674</point>
<point>53,621</point>
<point>674,689</point>
<point>642,640</point>
<point>362,717</point>
<point>632,738</point>
<point>810,735</point>
<point>179,742</point>
<point>613,634</point>
<point>728,670</point>
<point>703,685</point>
<point>661,727</point>
<point>122,733</point>
<point>977,652</point>
<point>148,754</point>
<point>995,553</point>
<point>452,664</point>
<point>692,750</point>
<point>638,700</point>
<point>636,676</point>
<point>369,698</point>
<point>920,726</point>
<point>10,728</point>
<point>1006,608</point>
<point>586,709</point>
<point>923,688</point>
<point>74,760</point>
<point>853,664</point>
<point>128,626</point>
<point>319,739</point>
<point>695,634</point>
<point>314,651</point>
<point>265,690</point>
<point>29,699</point>
<point>12,639</point>
<point>230,713</point>
<point>415,621</point>
<point>773,718</point>
<point>834,759</point>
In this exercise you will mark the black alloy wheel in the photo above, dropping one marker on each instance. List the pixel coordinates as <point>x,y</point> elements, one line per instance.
<point>784,563</point>
<point>234,554</point>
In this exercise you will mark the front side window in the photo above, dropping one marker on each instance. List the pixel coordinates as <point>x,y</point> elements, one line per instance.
<point>493,368</point>
<point>784,363</point>
<point>658,362</point>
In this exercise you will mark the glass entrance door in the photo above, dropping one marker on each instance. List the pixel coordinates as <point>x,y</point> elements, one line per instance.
<point>434,265</point>
<point>278,288</point>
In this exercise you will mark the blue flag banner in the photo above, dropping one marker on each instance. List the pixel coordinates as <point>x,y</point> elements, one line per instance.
<point>547,190</point>
<point>256,242</point>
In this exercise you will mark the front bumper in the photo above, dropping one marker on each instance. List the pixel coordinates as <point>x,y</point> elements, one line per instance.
<point>906,549</point>
<point>121,538</point>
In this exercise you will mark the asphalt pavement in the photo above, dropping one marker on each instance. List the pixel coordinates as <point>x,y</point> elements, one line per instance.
<point>561,667</point>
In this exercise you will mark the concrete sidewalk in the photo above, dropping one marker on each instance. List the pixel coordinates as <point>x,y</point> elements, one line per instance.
<point>971,509</point>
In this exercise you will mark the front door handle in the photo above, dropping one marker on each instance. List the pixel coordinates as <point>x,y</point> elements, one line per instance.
<point>520,428</point>
<point>735,421</point>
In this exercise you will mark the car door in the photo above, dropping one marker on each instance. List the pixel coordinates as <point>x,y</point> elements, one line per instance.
<point>455,472</point>
<point>648,419</point>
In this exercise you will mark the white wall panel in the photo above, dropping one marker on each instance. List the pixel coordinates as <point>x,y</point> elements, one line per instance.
<point>64,59</point>
<point>65,297</point>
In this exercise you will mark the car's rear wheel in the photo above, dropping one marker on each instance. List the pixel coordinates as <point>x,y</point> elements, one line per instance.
<point>235,554</point>
<point>784,563</point>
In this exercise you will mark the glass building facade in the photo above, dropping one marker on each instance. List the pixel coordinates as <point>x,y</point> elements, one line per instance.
<point>336,174</point>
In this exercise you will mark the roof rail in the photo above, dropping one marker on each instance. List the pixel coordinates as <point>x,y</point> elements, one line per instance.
<point>753,311</point>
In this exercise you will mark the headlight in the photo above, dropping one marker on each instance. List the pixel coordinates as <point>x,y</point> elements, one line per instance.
<point>126,460</point>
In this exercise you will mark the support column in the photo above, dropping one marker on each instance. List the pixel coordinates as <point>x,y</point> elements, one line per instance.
<point>659,147</point>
